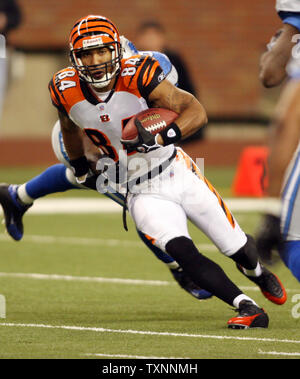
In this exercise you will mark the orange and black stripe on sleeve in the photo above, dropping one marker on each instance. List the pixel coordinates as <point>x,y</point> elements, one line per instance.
<point>55,97</point>
<point>150,75</point>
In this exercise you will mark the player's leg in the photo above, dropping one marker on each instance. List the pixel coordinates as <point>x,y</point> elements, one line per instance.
<point>17,199</point>
<point>165,222</point>
<point>179,275</point>
<point>207,210</point>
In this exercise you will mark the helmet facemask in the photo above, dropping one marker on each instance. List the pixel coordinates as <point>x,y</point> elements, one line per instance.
<point>95,32</point>
<point>110,68</point>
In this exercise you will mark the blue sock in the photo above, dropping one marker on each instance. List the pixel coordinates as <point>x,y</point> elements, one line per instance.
<point>291,257</point>
<point>159,253</point>
<point>52,180</point>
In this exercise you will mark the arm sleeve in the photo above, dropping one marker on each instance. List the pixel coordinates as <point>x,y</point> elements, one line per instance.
<point>56,97</point>
<point>149,77</point>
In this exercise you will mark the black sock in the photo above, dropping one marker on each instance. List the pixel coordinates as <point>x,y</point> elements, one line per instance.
<point>204,272</point>
<point>247,256</point>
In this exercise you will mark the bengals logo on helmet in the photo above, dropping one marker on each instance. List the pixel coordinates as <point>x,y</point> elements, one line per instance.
<point>92,32</point>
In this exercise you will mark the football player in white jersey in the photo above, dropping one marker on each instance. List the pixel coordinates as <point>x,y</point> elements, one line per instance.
<point>17,199</point>
<point>96,97</point>
<point>273,63</point>
<point>280,230</point>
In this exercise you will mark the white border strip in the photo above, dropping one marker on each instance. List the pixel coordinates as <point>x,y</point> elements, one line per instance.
<point>146,332</point>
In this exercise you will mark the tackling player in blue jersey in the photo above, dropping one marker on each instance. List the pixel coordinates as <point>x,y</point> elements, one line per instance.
<point>280,230</point>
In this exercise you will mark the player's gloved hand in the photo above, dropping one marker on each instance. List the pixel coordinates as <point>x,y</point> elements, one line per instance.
<point>268,239</point>
<point>144,142</point>
<point>80,167</point>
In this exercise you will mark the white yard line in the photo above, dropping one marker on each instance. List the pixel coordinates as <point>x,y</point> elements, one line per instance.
<point>94,205</point>
<point>70,278</point>
<point>91,241</point>
<point>75,241</point>
<point>295,354</point>
<point>74,205</point>
<point>129,356</point>
<point>93,279</point>
<point>146,332</point>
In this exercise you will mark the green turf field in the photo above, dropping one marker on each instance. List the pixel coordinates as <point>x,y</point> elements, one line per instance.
<point>96,246</point>
<point>86,299</point>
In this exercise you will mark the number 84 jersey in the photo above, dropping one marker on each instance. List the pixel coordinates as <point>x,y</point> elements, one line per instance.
<point>103,119</point>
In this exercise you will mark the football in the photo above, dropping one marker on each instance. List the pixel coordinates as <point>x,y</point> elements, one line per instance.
<point>154,120</point>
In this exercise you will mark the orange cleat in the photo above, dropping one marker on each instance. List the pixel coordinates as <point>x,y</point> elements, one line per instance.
<point>269,284</point>
<point>250,316</point>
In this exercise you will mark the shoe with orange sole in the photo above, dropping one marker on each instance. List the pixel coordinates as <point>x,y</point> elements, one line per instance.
<point>250,316</point>
<point>269,284</point>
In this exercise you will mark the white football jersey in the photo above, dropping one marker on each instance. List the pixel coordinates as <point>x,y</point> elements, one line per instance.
<point>104,119</point>
<point>288,5</point>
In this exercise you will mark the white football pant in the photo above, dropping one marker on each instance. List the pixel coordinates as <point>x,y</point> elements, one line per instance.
<point>162,206</point>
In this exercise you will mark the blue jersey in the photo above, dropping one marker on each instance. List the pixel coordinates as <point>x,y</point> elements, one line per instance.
<point>164,62</point>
